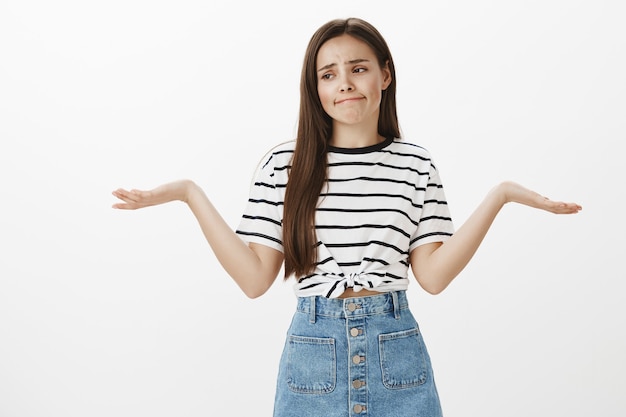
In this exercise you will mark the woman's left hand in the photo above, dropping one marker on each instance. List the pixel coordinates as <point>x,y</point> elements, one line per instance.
<point>513,192</point>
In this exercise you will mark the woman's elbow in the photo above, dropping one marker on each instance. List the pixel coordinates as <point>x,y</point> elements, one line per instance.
<point>256,288</point>
<point>254,291</point>
<point>252,295</point>
<point>433,286</point>
<point>433,289</point>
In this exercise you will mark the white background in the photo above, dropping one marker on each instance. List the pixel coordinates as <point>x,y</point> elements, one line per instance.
<point>114,313</point>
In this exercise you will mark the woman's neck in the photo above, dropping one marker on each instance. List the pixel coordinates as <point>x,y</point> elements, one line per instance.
<point>352,137</point>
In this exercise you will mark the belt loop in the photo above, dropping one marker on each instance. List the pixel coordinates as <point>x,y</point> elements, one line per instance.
<point>396,305</point>
<point>312,309</point>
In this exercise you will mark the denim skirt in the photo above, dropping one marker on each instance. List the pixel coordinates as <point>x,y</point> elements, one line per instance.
<point>357,356</point>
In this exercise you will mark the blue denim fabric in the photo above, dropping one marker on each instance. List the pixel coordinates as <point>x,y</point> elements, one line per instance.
<point>355,357</point>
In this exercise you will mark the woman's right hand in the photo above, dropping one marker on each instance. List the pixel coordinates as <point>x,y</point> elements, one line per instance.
<point>254,268</point>
<point>135,199</point>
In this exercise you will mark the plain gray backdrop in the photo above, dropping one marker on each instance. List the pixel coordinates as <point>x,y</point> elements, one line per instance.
<point>127,314</point>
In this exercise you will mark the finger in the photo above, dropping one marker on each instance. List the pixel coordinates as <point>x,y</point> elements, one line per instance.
<point>129,203</point>
<point>124,206</point>
<point>128,196</point>
<point>573,207</point>
<point>564,208</point>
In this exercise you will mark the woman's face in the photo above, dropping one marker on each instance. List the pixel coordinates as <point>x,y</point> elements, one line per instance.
<point>350,81</point>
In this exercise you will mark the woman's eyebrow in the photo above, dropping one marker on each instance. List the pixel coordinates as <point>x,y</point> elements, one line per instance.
<point>352,61</point>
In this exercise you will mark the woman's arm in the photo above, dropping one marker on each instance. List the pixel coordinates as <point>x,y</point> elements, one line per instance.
<point>254,268</point>
<point>435,265</point>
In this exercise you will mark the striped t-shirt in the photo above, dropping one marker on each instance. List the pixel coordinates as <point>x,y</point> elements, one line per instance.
<point>379,203</point>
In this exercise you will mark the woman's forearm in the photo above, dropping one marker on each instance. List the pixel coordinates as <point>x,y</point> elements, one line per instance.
<point>450,258</point>
<point>436,265</point>
<point>254,272</point>
<point>254,268</point>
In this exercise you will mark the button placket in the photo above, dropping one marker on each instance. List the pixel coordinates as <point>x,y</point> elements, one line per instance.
<point>358,358</point>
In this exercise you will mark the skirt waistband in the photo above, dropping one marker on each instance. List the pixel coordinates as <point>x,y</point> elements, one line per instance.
<point>385,303</point>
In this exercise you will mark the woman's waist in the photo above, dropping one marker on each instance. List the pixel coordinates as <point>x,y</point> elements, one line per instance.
<point>350,293</point>
<point>378,303</point>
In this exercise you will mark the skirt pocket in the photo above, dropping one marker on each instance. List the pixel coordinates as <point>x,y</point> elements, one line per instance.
<point>311,364</point>
<point>402,359</point>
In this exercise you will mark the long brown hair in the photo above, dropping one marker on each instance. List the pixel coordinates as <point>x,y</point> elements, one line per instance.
<point>308,166</point>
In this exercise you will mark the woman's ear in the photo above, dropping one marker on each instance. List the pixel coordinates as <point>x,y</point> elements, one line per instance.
<point>386,75</point>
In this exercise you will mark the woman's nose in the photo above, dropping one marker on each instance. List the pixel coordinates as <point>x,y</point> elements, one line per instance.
<point>345,85</point>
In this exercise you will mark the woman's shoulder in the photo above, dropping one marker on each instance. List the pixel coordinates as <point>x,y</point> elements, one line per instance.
<point>278,155</point>
<point>281,150</point>
<point>410,148</point>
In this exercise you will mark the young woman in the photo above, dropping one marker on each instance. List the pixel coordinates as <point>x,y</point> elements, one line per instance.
<point>347,207</point>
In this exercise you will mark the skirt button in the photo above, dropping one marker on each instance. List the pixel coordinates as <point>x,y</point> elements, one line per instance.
<point>357,383</point>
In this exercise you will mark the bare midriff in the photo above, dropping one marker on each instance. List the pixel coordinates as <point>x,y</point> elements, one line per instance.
<point>349,292</point>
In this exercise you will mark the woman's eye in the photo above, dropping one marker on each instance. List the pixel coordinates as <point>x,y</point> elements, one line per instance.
<point>326,76</point>
<point>360,69</point>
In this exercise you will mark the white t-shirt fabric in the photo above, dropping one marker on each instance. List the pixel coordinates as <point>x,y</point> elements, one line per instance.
<point>378,204</point>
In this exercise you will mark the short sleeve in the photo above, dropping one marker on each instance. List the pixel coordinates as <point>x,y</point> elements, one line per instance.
<point>261,221</point>
<point>435,223</point>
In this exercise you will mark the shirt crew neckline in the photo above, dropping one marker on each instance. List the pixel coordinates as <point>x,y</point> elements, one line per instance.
<point>363,150</point>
